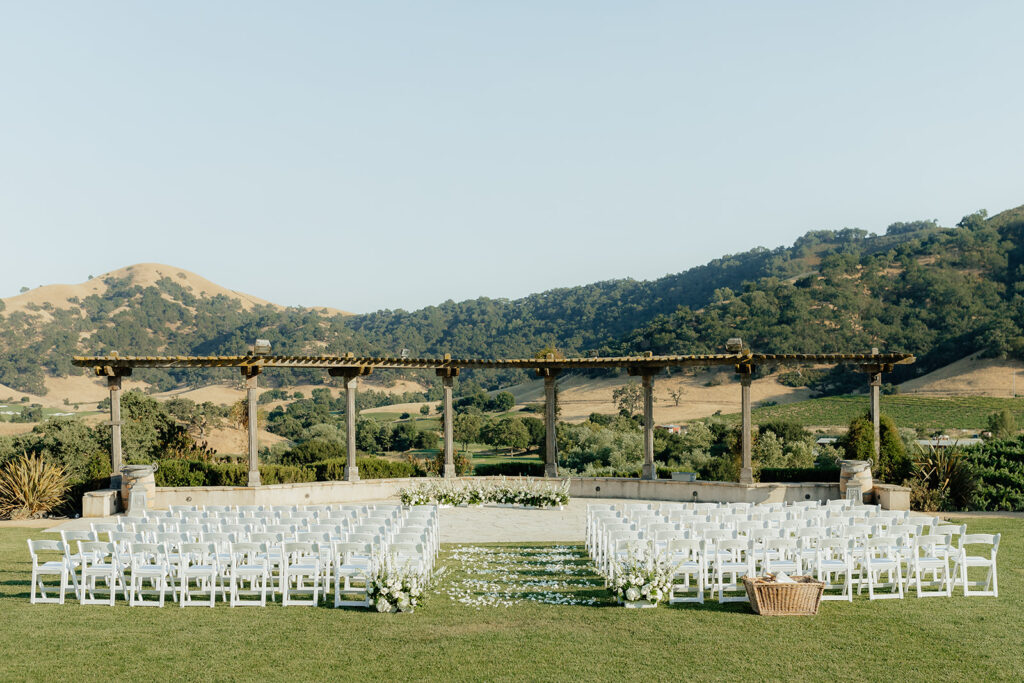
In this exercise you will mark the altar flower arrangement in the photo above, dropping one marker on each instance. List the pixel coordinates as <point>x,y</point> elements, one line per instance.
<point>527,492</point>
<point>643,577</point>
<point>394,587</point>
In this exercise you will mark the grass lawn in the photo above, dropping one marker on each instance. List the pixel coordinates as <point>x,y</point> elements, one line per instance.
<point>491,458</point>
<point>960,412</point>
<point>953,639</point>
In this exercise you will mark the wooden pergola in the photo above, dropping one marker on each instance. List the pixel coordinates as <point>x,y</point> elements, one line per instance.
<point>351,367</point>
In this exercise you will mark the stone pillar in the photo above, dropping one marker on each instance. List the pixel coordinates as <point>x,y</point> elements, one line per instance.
<point>252,404</point>
<point>649,470</point>
<point>350,375</point>
<point>550,417</point>
<point>747,471</point>
<point>114,385</point>
<point>448,443</point>
<point>875,381</point>
<point>351,469</point>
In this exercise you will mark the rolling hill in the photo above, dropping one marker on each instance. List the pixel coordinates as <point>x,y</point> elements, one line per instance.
<point>940,293</point>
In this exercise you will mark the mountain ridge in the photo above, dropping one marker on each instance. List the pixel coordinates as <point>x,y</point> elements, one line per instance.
<point>938,292</point>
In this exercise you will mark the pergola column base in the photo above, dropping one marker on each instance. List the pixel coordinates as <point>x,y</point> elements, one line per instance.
<point>254,478</point>
<point>649,472</point>
<point>550,470</point>
<point>746,475</point>
<point>449,470</point>
<point>351,473</point>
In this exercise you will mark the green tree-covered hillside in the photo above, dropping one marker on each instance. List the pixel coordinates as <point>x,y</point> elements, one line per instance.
<point>940,293</point>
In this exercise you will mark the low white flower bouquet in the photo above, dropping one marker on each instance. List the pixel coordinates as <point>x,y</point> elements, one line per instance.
<point>644,577</point>
<point>394,587</point>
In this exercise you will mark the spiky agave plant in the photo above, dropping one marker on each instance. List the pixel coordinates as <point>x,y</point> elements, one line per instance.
<point>948,471</point>
<point>30,487</point>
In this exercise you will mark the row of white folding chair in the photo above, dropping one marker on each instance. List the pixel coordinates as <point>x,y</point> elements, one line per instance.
<point>207,565</point>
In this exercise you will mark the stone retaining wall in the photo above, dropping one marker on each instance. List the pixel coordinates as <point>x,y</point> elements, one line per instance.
<point>327,492</point>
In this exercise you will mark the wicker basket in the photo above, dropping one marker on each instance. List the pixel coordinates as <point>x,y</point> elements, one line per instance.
<point>770,598</point>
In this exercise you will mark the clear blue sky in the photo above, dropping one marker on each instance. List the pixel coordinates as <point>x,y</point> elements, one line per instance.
<point>397,154</point>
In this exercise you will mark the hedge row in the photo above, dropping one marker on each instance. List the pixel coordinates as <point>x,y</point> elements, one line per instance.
<point>796,475</point>
<point>510,469</point>
<point>199,473</point>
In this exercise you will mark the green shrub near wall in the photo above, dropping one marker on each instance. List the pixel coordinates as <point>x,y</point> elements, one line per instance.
<point>796,475</point>
<point>199,473</point>
<point>509,469</point>
<point>369,468</point>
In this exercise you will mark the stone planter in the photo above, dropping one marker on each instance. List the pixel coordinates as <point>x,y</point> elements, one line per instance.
<point>855,473</point>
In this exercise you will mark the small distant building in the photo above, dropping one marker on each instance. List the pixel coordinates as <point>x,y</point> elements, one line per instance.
<point>826,440</point>
<point>671,429</point>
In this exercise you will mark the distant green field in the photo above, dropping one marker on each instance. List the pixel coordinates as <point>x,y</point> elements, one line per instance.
<point>925,412</point>
<point>495,458</point>
<point>47,412</point>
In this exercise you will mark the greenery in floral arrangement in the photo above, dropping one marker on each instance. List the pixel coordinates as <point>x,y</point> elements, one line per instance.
<point>394,587</point>
<point>643,575</point>
<point>525,492</point>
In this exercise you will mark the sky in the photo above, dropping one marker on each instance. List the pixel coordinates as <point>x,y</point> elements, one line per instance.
<point>398,154</point>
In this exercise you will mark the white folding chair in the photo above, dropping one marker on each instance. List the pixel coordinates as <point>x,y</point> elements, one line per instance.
<point>736,563</point>
<point>833,558</point>
<point>197,562</point>
<point>148,562</point>
<point>882,554</point>
<point>52,567</point>
<point>249,563</point>
<point>100,562</point>
<point>930,553</point>
<point>989,586</point>
<point>300,562</point>
<point>687,556</point>
<point>352,566</point>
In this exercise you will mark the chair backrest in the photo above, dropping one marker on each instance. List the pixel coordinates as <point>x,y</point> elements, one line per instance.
<point>883,546</point>
<point>981,539</point>
<point>929,544</point>
<point>139,554</point>
<point>45,545</point>
<point>686,548</point>
<point>197,554</point>
<point>95,552</point>
<point>268,537</point>
<point>248,553</point>
<point>69,537</point>
<point>834,547</point>
<point>100,528</point>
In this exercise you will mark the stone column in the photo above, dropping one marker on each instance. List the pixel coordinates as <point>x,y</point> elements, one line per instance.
<point>747,471</point>
<point>550,417</point>
<point>649,471</point>
<point>350,375</point>
<point>448,444</point>
<point>252,404</point>
<point>351,469</point>
<point>875,381</point>
<point>114,385</point>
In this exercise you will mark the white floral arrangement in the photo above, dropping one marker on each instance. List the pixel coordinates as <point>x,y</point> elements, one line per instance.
<point>393,587</point>
<point>525,492</point>
<point>643,576</point>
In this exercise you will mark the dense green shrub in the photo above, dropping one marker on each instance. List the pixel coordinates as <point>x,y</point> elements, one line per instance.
<point>510,469</point>
<point>200,473</point>
<point>793,475</point>
<point>314,450</point>
<point>894,464</point>
<point>369,468</point>
<point>999,469</point>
